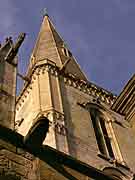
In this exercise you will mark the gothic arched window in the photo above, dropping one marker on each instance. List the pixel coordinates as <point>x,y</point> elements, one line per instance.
<point>101,133</point>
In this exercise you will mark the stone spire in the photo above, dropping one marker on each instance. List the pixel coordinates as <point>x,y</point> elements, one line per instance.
<point>50,45</point>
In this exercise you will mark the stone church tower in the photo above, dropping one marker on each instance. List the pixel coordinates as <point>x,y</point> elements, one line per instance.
<point>86,121</point>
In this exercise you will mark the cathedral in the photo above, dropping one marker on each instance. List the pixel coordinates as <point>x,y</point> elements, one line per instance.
<point>87,125</point>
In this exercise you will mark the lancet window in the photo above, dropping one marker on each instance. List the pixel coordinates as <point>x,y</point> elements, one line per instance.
<point>104,133</point>
<point>101,133</point>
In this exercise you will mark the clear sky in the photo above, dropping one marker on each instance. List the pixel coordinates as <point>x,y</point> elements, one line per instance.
<point>100,34</point>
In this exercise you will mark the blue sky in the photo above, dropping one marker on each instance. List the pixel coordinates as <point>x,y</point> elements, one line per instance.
<point>100,34</point>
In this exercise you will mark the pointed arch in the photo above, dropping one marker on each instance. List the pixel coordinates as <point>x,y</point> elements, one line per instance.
<point>101,132</point>
<point>105,136</point>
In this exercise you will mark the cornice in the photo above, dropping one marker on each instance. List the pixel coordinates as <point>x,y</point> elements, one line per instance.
<point>69,79</point>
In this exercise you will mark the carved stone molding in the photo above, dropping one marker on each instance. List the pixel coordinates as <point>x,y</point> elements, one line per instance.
<point>23,96</point>
<point>58,123</point>
<point>70,80</point>
<point>14,165</point>
<point>56,120</point>
<point>60,128</point>
<point>91,89</point>
<point>86,87</point>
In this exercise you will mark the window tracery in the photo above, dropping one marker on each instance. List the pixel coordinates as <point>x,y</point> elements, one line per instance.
<point>105,136</point>
<point>102,136</point>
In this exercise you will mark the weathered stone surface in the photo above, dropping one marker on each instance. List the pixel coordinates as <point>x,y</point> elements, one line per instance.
<point>63,94</point>
<point>12,163</point>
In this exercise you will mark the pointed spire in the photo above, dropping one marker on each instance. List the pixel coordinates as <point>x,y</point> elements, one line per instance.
<point>50,45</point>
<point>45,47</point>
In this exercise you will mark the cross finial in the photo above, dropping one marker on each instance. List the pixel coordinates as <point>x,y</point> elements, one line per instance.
<point>45,13</point>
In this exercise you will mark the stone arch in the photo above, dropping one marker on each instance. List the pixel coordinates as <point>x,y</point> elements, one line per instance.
<point>104,111</point>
